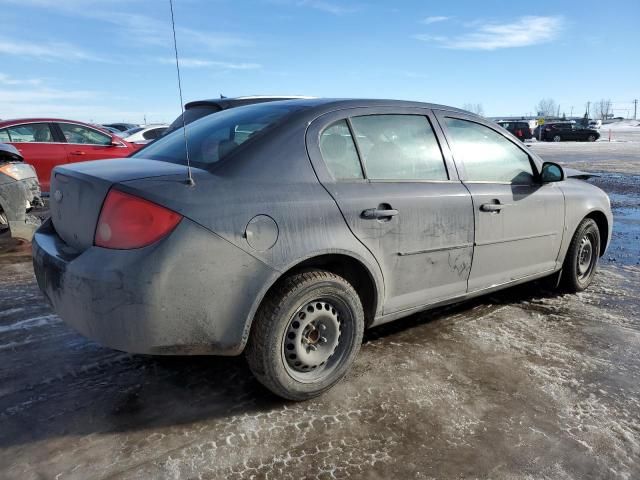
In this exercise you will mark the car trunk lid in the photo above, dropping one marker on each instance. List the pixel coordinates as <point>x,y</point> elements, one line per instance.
<point>78,192</point>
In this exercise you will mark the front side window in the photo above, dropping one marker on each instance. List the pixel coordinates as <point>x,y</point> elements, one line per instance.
<point>78,134</point>
<point>486,155</point>
<point>339,152</point>
<point>30,132</point>
<point>399,147</point>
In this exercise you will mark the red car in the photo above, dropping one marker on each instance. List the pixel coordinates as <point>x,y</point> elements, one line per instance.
<point>48,142</point>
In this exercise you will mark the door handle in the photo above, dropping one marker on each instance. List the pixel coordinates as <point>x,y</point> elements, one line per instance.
<point>78,152</point>
<point>492,207</point>
<point>379,214</point>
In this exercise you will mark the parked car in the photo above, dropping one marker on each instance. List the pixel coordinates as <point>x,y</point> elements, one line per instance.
<point>19,194</point>
<point>115,131</point>
<point>560,132</point>
<point>120,126</point>
<point>145,133</point>
<point>520,129</point>
<point>47,142</point>
<point>200,108</point>
<point>301,223</point>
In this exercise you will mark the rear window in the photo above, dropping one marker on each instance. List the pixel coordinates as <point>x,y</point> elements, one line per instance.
<point>192,114</point>
<point>214,137</point>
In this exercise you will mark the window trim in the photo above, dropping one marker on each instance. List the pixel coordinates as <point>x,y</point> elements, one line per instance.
<point>442,115</point>
<point>362,169</point>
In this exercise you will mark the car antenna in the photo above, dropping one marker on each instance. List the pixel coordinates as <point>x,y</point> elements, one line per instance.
<point>184,124</point>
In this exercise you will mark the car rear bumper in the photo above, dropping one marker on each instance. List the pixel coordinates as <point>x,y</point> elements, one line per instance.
<point>190,293</point>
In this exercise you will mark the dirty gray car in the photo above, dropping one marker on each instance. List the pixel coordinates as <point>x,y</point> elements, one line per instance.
<point>307,222</point>
<point>19,194</point>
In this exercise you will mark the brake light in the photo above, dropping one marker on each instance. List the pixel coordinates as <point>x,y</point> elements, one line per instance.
<point>127,221</point>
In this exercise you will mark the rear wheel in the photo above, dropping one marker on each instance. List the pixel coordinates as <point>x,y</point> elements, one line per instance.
<point>306,335</point>
<point>557,138</point>
<point>582,257</point>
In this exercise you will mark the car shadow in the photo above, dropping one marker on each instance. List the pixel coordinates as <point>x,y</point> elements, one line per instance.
<point>76,387</point>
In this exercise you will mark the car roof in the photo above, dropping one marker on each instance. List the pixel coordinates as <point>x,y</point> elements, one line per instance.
<point>14,121</point>
<point>224,103</point>
<point>329,104</point>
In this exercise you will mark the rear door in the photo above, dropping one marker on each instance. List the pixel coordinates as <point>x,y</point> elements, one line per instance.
<point>400,197</point>
<point>84,143</point>
<point>39,147</point>
<point>519,221</point>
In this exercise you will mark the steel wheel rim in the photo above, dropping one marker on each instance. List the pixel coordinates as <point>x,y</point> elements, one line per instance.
<point>586,257</point>
<point>317,339</point>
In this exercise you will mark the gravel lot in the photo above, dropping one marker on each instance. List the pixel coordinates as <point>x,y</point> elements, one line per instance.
<point>521,384</point>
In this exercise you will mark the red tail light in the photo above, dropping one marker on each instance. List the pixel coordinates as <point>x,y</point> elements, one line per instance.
<point>127,221</point>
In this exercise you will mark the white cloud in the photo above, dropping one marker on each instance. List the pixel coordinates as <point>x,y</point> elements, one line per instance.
<point>188,62</point>
<point>334,8</point>
<point>9,80</point>
<point>46,50</point>
<point>435,19</point>
<point>523,32</point>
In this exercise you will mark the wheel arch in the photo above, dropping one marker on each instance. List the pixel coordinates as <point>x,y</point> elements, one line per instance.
<point>603,227</point>
<point>351,268</point>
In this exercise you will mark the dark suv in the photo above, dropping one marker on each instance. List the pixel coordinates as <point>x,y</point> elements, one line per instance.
<point>559,132</point>
<point>520,129</point>
<point>200,108</point>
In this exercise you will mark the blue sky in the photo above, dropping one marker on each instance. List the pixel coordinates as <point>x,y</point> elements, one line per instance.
<point>111,60</point>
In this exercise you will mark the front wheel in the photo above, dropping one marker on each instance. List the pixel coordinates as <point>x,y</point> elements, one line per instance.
<point>306,335</point>
<point>582,257</point>
<point>591,138</point>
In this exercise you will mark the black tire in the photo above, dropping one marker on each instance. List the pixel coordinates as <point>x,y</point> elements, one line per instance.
<point>557,138</point>
<point>591,138</point>
<point>281,351</point>
<point>581,261</point>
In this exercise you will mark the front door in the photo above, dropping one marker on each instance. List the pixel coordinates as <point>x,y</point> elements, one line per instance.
<point>84,143</point>
<point>400,197</point>
<point>519,221</point>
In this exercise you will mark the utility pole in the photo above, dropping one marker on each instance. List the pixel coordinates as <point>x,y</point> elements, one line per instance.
<point>635,109</point>
<point>588,105</point>
<point>571,114</point>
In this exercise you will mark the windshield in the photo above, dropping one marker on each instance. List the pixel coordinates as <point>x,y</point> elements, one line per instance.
<point>215,136</point>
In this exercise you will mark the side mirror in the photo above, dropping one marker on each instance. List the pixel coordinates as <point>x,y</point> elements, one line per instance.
<point>115,142</point>
<point>551,172</point>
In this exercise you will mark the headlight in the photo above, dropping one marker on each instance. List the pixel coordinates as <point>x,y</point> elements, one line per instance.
<point>18,171</point>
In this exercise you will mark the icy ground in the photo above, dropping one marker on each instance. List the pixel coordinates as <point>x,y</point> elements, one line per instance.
<point>524,384</point>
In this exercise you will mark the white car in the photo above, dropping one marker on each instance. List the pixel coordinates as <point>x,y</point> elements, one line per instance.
<point>144,134</point>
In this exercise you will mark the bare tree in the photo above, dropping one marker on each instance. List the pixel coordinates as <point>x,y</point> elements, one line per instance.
<point>546,107</point>
<point>474,108</point>
<point>602,109</point>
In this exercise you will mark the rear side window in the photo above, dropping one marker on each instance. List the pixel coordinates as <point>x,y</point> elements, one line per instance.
<point>339,152</point>
<point>486,155</point>
<point>153,133</point>
<point>399,147</point>
<point>4,136</point>
<point>30,132</point>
